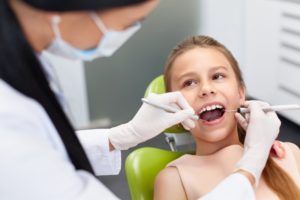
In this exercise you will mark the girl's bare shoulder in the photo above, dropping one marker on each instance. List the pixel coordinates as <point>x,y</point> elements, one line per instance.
<point>168,185</point>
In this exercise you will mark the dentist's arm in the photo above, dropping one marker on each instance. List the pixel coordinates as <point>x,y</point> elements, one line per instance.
<point>102,145</point>
<point>151,121</point>
<point>262,130</point>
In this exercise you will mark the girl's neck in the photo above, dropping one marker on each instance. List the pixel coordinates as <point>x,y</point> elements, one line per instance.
<point>209,148</point>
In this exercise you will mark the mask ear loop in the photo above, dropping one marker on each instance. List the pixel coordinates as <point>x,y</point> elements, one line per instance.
<point>55,22</point>
<point>99,23</point>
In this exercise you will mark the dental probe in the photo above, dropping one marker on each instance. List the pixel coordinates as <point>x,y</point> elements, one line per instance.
<point>166,107</point>
<point>269,108</point>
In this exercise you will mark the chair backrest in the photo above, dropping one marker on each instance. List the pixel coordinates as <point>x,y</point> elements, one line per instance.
<point>141,168</point>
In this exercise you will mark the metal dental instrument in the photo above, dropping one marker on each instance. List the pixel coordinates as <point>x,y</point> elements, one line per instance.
<point>269,108</point>
<point>239,110</point>
<point>165,107</point>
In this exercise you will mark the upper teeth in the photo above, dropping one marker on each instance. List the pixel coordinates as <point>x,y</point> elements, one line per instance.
<point>211,107</point>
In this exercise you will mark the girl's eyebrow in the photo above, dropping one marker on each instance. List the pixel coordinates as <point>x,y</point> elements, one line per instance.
<point>184,75</point>
<point>218,67</point>
<point>187,74</point>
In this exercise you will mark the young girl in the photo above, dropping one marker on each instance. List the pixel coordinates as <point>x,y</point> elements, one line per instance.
<point>208,76</point>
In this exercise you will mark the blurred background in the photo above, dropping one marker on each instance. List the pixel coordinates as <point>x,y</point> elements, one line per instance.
<point>264,36</point>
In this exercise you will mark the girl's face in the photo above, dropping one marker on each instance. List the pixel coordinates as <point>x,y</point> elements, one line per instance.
<point>207,80</point>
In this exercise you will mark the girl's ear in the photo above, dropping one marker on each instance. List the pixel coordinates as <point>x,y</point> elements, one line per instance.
<point>242,94</point>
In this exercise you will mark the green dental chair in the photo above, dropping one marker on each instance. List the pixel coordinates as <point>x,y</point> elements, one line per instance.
<point>143,164</point>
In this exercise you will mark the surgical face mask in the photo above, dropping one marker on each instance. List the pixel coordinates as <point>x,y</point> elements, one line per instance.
<point>110,42</point>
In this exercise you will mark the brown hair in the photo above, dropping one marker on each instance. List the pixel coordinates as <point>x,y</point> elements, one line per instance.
<point>274,175</point>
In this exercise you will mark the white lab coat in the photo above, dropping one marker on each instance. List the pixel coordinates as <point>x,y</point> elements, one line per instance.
<point>34,164</point>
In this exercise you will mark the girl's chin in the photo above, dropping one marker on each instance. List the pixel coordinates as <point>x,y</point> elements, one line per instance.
<point>213,135</point>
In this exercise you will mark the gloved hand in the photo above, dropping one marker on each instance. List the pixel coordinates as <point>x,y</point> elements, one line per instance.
<point>261,132</point>
<point>277,149</point>
<point>149,121</point>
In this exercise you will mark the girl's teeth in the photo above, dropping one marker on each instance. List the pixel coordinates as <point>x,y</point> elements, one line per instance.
<point>212,107</point>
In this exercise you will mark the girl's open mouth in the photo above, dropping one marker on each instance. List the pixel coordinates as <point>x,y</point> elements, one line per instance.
<point>212,112</point>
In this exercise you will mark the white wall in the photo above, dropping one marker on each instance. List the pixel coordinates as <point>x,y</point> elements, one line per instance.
<point>261,48</point>
<point>224,21</point>
<point>273,51</point>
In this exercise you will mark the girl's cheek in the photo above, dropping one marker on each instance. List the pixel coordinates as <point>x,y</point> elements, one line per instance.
<point>191,98</point>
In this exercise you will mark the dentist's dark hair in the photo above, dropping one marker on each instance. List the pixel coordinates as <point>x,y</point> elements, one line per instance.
<point>276,178</point>
<point>20,68</point>
<point>79,5</point>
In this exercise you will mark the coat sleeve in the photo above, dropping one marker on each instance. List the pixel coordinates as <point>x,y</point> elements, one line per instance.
<point>234,187</point>
<point>96,145</point>
<point>31,167</point>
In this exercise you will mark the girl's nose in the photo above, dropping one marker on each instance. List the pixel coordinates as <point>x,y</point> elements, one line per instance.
<point>207,90</point>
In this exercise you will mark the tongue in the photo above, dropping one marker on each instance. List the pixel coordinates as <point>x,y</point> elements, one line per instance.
<point>211,115</point>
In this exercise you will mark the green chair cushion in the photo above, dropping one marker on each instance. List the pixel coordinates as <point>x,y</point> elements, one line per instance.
<point>142,166</point>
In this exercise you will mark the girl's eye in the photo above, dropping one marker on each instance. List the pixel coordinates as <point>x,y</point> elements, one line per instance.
<point>189,83</point>
<point>218,76</point>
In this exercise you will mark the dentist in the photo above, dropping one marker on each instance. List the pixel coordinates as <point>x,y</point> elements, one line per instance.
<point>41,156</point>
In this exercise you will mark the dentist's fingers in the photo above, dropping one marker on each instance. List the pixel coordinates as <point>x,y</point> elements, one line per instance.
<point>241,120</point>
<point>247,117</point>
<point>257,106</point>
<point>188,124</point>
<point>244,119</point>
<point>171,98</point>
<point>278,150</point>
<point>183,116</point>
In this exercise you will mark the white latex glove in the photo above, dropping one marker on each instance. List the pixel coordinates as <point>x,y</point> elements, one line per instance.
<point>262,130</point>
<point>150,121</point>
